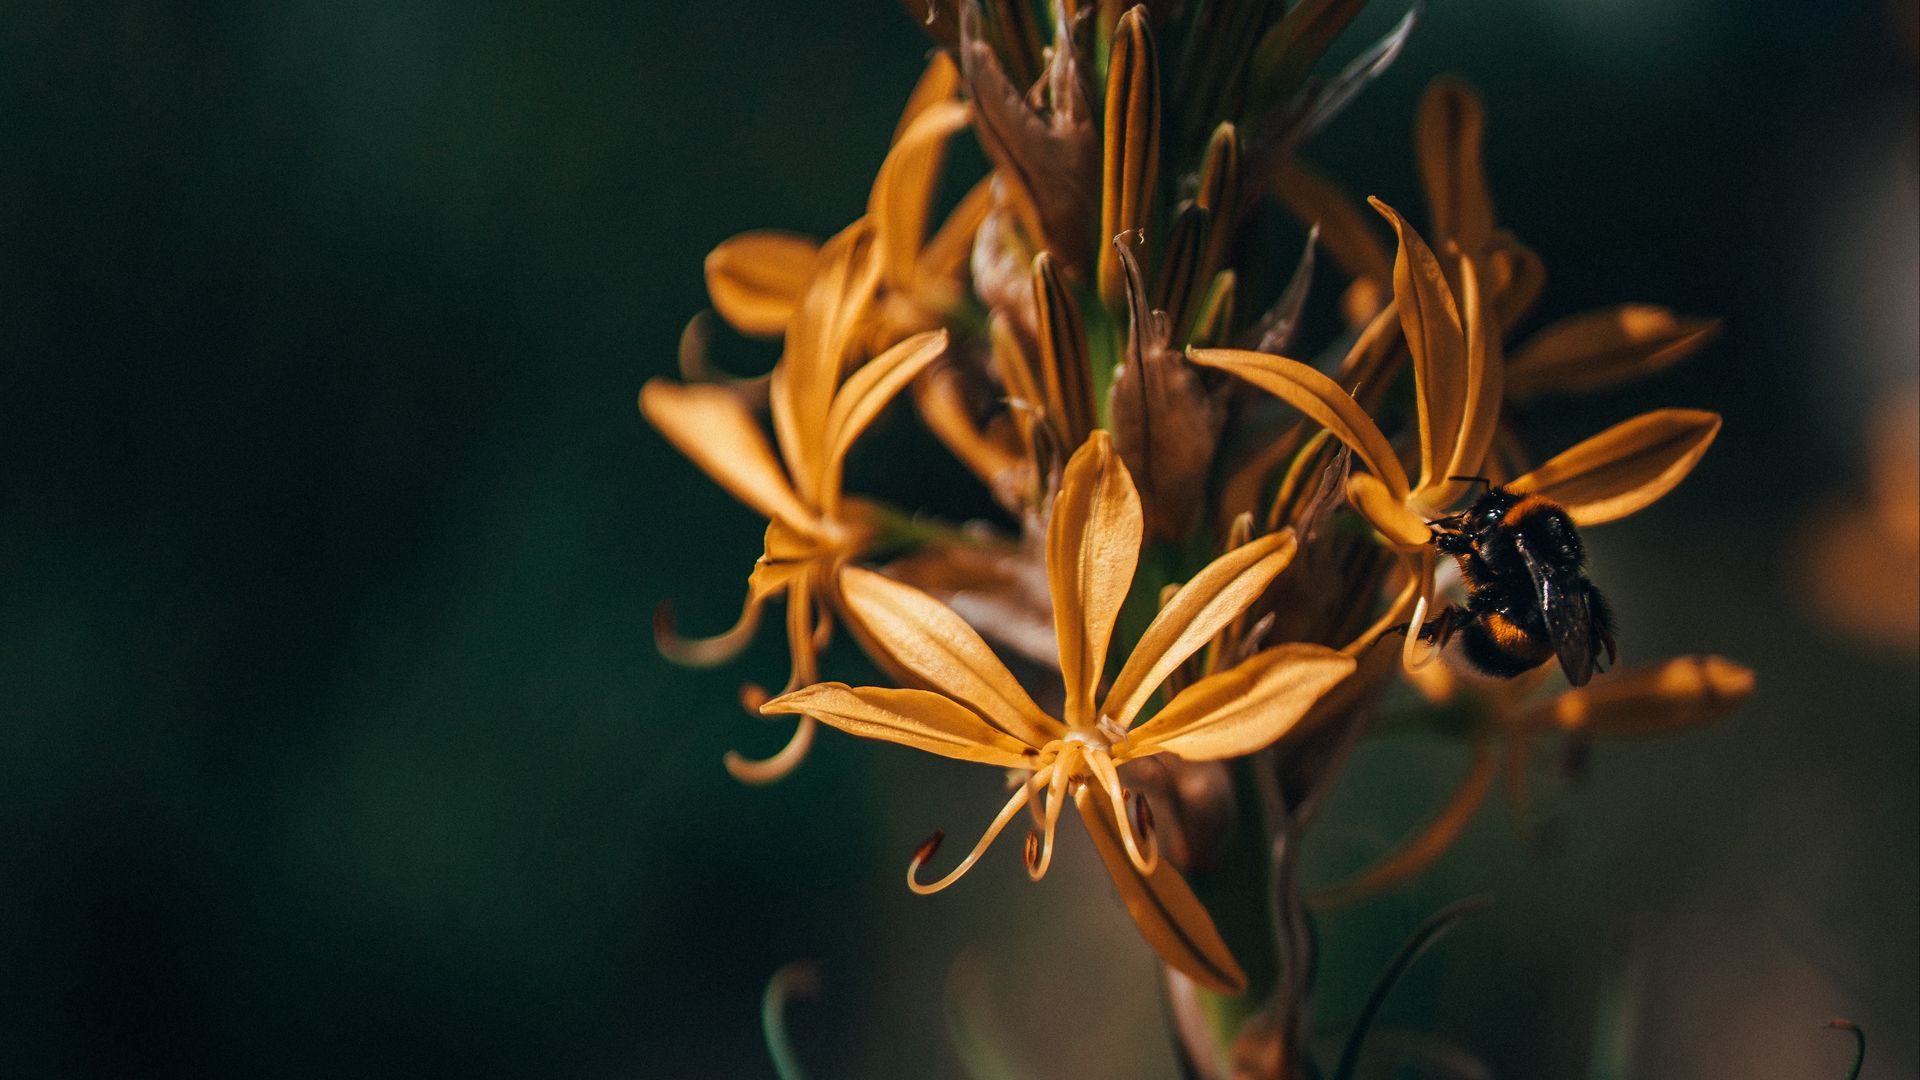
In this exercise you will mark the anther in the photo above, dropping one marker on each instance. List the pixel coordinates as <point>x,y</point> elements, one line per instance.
<point>1033,854</point>
<point>752,696</point>
<point>928,847</point>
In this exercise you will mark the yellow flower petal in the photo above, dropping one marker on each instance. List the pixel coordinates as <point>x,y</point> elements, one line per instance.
<point>1447,135</point>
<point>1093,545</point>
<point>818,342</point>
<point>945,256</point>
<point>1218,593</point>
<point>756,279</point>
<point>1431,324</point>
<point>712,427</point>
<point>1321,399</point>
<point>926,638</point>
<point>916,718</point>
<point>1626,467</point>
<point>1169,916</point>
<point>865,393</point>
<point>1486,390</point>
<point>1686,691</point>
<point>904,188</point>
<point>1242,709</point>
<point>1598,349</point>
<point>1401,526</point>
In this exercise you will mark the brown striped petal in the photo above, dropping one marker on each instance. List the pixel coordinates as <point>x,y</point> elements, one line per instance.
<point>1626,467</point>
<point>1131,160</point>
<point>1163,906</point>
<point>1064,366</point>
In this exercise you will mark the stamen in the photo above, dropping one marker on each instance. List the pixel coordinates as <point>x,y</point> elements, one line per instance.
<point>767,770</point>
<point>705,651</point>
<point>925,851</point>
<point>1109,779</point>
<point>1050,820</point>
<point>1032,855</point>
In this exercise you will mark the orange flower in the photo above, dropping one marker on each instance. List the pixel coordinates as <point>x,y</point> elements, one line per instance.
<point>812,529</point>
<point>1458,378</point>
<point>976,710</point>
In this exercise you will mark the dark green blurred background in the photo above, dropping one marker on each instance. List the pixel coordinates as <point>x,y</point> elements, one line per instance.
<point>334,739</point>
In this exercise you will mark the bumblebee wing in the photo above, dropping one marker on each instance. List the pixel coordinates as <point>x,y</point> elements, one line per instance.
<point>1563,605</point>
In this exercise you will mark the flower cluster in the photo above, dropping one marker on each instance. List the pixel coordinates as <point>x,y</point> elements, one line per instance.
<point>1225,540</point>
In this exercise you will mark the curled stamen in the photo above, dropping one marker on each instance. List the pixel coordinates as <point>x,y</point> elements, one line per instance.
<point>925,851</point>
<point>1413,656</point>
<point>766,770</point>
<point>705,651</point>
<point>1050,818</point>
<point>1109,780</point>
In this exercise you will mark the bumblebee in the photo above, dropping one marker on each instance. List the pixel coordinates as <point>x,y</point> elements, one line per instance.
<point>1528,598</point>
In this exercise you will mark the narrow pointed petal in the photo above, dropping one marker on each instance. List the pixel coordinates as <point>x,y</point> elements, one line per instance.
<point>1093,545</point>
<point>1321,399</point>
<point>712,427</point>
<point>1244,708</point>
<point>1423,848</point>
<point>1131,163</point>
<point>1448,133</point>
<point>1431,323</point>
<point>916,718</point>
<point>904,188</point>
<point>1398,524</point>
<point>818,340</point>
<point>1486,392</point>
<point>1216,595</point>
<point>1626,467</point>
<point>996,461</point>
<point>1595,350</point>
<point>868,391</point>
<point>1169,916</point>
<point>756,279</point>
<point>925,637</point>
<point>1684,692</point>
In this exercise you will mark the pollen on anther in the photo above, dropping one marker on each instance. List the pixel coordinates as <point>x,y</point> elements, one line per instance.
<point>1033,851</point>
<point>928,847</point>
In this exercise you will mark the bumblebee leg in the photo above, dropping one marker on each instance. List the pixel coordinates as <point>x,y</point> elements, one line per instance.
<point>1440,629</point>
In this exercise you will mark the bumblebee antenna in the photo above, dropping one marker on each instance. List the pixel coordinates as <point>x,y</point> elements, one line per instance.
<point>1481,480</point>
